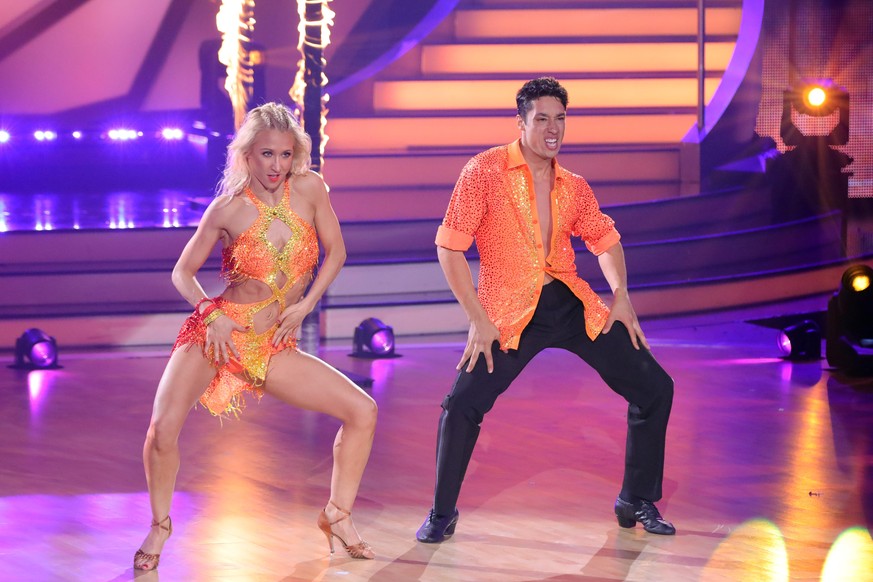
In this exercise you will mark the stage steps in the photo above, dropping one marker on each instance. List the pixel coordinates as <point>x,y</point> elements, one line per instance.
<point>121,278</point>
<point>630,68</point>
<point>415,186</point>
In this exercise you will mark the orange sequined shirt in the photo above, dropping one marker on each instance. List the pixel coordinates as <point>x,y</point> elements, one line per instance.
<point>495,204</point>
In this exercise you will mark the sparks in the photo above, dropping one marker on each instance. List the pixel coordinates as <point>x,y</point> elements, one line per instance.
<point>235,20</point>
<point>312,46</point>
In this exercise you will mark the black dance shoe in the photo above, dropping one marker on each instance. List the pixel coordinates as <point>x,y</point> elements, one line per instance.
<point>437,528</point>
<point>646,513</point>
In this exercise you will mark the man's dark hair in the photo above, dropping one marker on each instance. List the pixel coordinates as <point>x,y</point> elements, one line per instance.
<point>536,88</point>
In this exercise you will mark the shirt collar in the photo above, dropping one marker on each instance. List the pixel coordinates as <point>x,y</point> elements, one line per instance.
<point>516,159</point>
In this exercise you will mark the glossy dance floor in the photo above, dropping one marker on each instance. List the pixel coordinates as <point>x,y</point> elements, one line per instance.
<point>769,473</point>
<point>118,209</point>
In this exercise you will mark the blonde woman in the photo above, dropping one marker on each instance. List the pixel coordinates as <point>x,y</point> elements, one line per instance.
<point>270,215</point>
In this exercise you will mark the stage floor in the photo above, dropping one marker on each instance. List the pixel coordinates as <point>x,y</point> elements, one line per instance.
<point>769,472</point>
<point>117,209</point>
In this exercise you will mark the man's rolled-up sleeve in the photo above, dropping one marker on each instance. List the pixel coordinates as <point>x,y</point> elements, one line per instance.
<point>601,245</point>
<point>452,239</point>
<point>594,227</point>
<point>465,211</point>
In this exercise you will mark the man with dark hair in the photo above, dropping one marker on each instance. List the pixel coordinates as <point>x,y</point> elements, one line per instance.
<point>536,88</point>
<point>521,208</point>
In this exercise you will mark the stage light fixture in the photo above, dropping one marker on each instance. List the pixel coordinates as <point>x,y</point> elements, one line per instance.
<point>801,341</point>
<point>815,98</point>
<point>859,280</point>
<point>811,177</point>
<point>373,339</point>
<point>172,133</point>
<point>122,134</point>
<point>849,334</point>
<point>36,349</point>
<point>4,136</point>
<point>45,135</point>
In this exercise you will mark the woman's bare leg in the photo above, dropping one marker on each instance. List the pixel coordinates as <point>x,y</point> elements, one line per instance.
<point>307,382</point>
<point>185,378</point>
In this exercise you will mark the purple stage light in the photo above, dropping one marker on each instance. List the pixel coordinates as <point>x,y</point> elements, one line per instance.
<point>373,339</point>
<point>77,135</point>
<point>784,343</point>
<point>801,341</point>
<point>382,342</point>
<point>36,349</point>
<point>122,134</point>
<point>4,136</point>
<point>45,135</point>
<point>171,217</point>
<point>172,133</point>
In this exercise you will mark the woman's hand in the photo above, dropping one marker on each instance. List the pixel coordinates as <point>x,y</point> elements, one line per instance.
<point>219,345</point>
<point>290,320</point>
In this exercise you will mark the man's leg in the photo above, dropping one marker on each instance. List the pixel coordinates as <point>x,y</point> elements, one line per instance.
<point>648,389</point>
<point>472,396</point>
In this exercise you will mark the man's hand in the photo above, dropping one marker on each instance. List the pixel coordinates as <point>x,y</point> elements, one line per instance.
<point>481,337</point>
<point>623,311</point>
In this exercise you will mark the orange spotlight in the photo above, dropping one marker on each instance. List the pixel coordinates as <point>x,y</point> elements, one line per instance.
<point>860,282</point>
<point>816,96</point>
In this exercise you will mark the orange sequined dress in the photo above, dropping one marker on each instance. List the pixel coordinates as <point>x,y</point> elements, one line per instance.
<point>253,257</point>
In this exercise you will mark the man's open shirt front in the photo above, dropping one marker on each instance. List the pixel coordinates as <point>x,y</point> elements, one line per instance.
<point>494,203</point>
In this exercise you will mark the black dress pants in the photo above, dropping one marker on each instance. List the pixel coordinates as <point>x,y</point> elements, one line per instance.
<point>559,322</point>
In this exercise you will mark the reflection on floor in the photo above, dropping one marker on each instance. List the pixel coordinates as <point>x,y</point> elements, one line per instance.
<point>94,210</point>
<point>769,473</point>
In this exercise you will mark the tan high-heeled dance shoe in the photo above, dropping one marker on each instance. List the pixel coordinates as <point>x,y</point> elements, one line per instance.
<point>359,551</point>
<point>144,561</point>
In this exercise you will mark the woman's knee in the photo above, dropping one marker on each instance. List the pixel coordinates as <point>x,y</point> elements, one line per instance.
<point>161,436</point>
<point>364,414</point>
